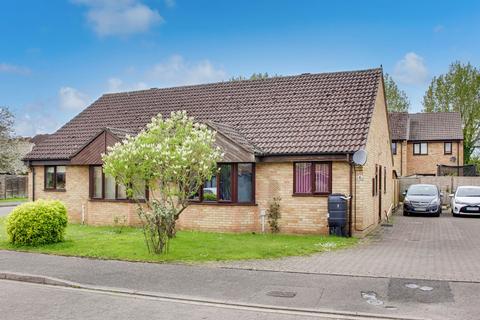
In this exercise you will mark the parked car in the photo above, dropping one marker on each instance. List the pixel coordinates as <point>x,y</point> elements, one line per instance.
<point>466,201</point>
<point>422,198</point>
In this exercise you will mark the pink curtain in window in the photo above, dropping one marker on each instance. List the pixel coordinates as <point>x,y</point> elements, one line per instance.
<point>303,179</point>
<point>322,177</point>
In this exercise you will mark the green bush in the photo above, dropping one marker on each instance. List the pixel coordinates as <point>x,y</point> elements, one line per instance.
<point>209,197</point>
<point>38,222</point>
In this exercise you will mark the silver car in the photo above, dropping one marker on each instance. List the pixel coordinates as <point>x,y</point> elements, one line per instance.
<point>466,201</point>
<point>422,198</point>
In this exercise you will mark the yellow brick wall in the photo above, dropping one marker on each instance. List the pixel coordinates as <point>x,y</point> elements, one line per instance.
<point>299,214</point>
<point>76,189</point>
<point>399,159</point>
<point>378,148</point>
<point>427,164</point>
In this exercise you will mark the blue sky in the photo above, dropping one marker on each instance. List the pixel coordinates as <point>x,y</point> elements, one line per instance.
<point>58,56</point>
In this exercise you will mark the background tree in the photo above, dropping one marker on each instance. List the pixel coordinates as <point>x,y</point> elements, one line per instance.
<point>396,99</point>
<point>458,90</point>
<point>173,157</point>
<point>255,76</point>
<point>8,146</point>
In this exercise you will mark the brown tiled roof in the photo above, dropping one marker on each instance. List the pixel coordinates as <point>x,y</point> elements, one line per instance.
<point>309,113</point>
<point>436,126</point>
<point>234,135</point>
<point>39,138</point>
<point>398,125</point>
<point>121,134</point>
<point>426,126</point>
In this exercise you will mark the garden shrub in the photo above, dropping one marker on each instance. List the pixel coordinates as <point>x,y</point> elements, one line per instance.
<point>36,223</point>
<point>273,214</point>
<point>209,197</point>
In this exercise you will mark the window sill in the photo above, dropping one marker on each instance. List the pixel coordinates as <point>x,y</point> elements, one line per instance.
<point>55,190</point>
<point>116,200</point>
<point>223,204</point>
<point>321,195</point>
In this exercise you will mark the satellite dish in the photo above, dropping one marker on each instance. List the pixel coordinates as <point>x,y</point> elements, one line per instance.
<point>360,157</point>
<point>453,159</point>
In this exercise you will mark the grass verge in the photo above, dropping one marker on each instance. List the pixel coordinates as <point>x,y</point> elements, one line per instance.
<point>188,246</point>
<point>13,200</point>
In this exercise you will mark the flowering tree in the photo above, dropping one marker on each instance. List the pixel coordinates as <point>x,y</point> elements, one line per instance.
<point>173,157</point>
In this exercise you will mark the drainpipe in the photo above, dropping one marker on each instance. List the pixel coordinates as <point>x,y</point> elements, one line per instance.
<point>33,183</point>
<point>83,214</point>
<point>401,158</point>
<point>350,204</point>
<point>262,219</point>
<point>458,158</point>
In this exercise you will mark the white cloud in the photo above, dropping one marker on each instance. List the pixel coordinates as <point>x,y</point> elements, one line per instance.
<point>120,17</point>
<point>10,68</point>
<point>117,85</point>
<point>35,118</point>
<point>72,99</point>
<point>411,69</point>
<point>176,71</point>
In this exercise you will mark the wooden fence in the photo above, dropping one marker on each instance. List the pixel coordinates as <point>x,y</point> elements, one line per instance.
<point>12,186</point>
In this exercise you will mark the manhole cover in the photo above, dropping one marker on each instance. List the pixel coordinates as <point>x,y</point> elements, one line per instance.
<point>282,294</point>
<point>426,288</point>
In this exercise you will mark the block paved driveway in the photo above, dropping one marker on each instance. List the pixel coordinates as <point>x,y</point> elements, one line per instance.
<point>444,248</point>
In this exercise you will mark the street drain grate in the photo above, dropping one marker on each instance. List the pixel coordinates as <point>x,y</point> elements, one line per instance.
<point>282,294</point>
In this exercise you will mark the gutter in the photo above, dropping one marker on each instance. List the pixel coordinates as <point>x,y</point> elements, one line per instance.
<point>33,183</point>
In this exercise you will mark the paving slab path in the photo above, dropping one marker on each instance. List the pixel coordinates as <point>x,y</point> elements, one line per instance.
<point>444,248</point>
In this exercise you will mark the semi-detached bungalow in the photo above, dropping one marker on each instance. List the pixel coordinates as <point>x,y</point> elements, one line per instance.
<point>289,137</point>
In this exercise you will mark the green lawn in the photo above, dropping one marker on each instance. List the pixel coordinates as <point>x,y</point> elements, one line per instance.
<point>13,200</point>
<point>188,246</point>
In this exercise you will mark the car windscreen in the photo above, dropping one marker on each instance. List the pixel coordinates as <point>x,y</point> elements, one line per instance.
<point>468,192</point>
<point>418,190</point>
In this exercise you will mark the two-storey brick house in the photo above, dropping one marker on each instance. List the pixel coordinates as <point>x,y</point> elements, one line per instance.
<point>422,141</point>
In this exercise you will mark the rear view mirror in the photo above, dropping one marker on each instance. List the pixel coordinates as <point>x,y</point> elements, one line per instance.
<point>404,193</point>
<point>451,195</point>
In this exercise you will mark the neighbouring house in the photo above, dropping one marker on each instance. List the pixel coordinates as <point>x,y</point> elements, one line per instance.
<point>290,137</point>
<point>20,147</point>
<point>423,141</point>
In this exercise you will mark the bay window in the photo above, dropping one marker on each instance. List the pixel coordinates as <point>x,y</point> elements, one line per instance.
<point>245,182</point>
<point>104,187</point>
<point>233,183</point>
<point>55,178</point>
<point>312,178</point>
<point>225,182</point>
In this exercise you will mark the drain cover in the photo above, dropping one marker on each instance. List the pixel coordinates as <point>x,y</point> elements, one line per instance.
<point>426,288</point>
<point>282,294</point>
